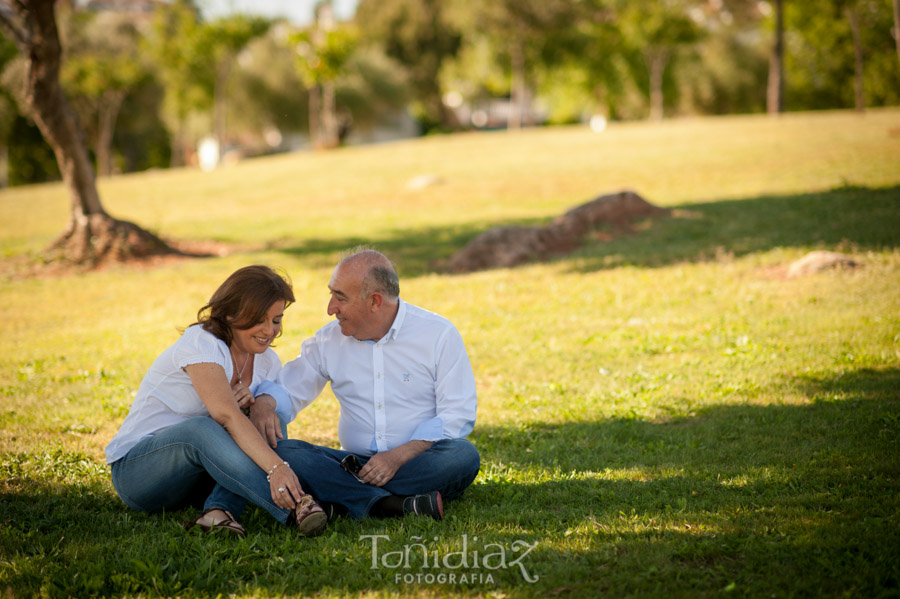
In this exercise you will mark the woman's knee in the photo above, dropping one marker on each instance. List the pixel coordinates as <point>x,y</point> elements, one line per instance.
<point>203,424</point>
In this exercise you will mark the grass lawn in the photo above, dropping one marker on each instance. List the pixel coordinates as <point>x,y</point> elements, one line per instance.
<point>664,414</point>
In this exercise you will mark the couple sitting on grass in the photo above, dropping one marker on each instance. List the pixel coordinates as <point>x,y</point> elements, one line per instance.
<point>209,423</point>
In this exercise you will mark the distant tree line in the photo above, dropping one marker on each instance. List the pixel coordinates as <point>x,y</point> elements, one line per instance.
<point>147,87</point>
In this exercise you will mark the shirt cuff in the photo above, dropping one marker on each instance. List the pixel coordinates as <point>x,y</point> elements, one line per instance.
<point>282,399</point>
<point>430,430</point>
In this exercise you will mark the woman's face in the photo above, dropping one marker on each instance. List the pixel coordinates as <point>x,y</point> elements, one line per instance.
<point>260,336</point>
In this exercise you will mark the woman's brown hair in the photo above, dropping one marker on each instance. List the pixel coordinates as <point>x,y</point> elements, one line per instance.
<point>243,300</point>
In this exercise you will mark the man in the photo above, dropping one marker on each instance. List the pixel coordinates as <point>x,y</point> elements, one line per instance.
<point>407,397</point>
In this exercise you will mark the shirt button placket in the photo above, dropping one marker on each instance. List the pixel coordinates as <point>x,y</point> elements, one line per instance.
<point>378,397</point>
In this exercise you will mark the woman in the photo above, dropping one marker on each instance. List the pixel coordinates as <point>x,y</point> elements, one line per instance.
<point>186,431</point>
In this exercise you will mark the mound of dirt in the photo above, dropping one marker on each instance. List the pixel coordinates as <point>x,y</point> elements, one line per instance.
<point>504,247</point>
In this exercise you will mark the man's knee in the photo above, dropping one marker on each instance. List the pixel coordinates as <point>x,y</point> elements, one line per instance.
<point>461,450</point>
<point>458,456</point>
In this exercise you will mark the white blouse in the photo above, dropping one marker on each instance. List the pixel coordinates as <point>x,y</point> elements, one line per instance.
<point>167,397</point>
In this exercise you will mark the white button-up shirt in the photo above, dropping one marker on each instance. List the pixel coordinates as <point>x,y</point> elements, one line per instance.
<point>415,383</point>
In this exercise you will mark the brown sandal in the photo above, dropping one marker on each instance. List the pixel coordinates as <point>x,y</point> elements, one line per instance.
<point>229,523</point>
<point>308,516</point>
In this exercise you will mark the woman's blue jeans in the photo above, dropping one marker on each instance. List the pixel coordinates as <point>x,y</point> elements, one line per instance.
<point>448,466</point>
<point>180,465</point>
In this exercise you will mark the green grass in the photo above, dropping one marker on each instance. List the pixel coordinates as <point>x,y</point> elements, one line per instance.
<point>665,414</point>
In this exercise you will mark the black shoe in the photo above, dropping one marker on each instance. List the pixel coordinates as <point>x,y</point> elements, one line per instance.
<point>429,504</point>
<point>333,510</point>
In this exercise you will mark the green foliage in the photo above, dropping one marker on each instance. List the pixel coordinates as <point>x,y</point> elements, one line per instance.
<point>215,46</point>
<point>141,139</point>
<point>101,56</point>
<point>175,26</point>
<point>322,55</point>
<point>267,91</point>
<point>656,24</point>
<point>663,412</point>
<point>419,36</point>
<point>373,89</point>
<point>820,56</point>
<point>8,109</point>
<point>712,85</point>
<point>547,34</point>
<point>31,159</point>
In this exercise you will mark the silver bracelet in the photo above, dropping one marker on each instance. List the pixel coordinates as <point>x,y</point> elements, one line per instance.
<point>269,475</point>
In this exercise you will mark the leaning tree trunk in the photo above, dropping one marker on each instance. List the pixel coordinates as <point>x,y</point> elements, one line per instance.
<point>92,235</point>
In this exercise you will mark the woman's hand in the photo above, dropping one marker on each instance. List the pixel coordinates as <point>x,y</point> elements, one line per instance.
<point>242,395</point>
<point>285,487</point>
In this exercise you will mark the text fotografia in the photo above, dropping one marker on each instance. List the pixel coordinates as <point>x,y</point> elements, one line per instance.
<point>474,563</point>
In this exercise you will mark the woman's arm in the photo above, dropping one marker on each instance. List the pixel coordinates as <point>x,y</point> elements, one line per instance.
<point>212,386</point>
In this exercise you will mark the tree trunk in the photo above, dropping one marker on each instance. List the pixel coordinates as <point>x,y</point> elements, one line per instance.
<point>92,235</point>
<point>517,87</point>
<point>4,167</point>
<point>775,95</point>
<point>328,119</point>
<point>315,127</point>
<point>220,103</point>
<point>657,61</point>
<point>852,13</point>
<point>106,125</point>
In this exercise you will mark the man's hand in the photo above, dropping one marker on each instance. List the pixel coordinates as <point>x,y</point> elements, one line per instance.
<point>382,467</point>
<point>266,421</point>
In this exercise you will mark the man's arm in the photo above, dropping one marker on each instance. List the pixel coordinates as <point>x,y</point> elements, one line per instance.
<point>265,418</point>
<point>456,400</point>
<point>298,383</point>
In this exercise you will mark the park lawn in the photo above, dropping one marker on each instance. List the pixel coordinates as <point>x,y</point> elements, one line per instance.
<point>662,414</point>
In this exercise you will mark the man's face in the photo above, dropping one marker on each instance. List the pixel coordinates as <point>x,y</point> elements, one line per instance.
<point>346,304</point>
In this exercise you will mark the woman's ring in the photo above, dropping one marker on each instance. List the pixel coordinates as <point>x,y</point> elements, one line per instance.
<point>281,489</point>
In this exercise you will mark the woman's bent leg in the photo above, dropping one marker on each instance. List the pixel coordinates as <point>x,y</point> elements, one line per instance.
<point>320,473</point>
<point>161,471</point>
<point>223,499</point>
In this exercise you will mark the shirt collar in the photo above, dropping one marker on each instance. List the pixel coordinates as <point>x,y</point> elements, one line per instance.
<point>398,321</point>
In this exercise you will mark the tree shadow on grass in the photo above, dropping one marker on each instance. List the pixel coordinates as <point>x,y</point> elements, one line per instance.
<point>854,219</point>
<point>848,218</point>
<point>415,252</point>
<point>790,500</point>
<point>804,498</point>
<point>855,413</point>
